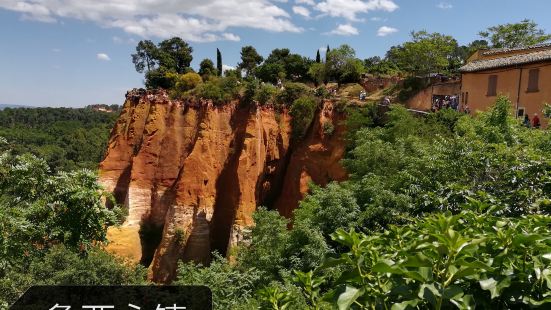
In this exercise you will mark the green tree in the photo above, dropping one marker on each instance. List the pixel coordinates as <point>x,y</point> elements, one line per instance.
<point>219,62</point>
<point>317,73</point>
<point>250,59</point>
<point>425,53</point>
<point>521,34</point>
<point>146,56</point>
<point>343,66</point>
<point>318,57</point>
<point>206,68</point>
<point>175,55</point>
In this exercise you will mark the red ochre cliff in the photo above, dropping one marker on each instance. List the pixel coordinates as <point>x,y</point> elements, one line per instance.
<point>192,173</point>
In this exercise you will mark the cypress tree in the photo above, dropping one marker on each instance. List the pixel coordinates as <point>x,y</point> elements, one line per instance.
<point>318,58</point>
<point>219,62</point>
<point>326,52</point>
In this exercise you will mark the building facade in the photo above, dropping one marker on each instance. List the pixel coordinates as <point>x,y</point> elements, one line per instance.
<point>522,74</point>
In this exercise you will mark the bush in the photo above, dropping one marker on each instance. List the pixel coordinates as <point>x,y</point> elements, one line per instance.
<point>266,94</point>
<point>210,90</point>
<point>292,92</point>
<point>328,128</point>
<point>445,262</point>
<point>188,81</point>
<point>231,287</point>
<point>159,78</point>
<point>219,90</point>
<point>302,113</point>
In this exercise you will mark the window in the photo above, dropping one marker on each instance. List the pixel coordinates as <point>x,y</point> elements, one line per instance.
<point>520,112</point>
<point>533,80</point>
<point>492,85</point>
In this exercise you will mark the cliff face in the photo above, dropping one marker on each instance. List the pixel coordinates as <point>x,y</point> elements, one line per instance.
<point>191,174</point>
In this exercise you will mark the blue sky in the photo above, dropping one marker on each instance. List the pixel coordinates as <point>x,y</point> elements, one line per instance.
<point>77,52</point>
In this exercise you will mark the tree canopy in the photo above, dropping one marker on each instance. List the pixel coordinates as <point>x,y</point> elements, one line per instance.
<point>250,59</point>
<point>169,56</point>
<point>511,35</point>
<point>426,53</point>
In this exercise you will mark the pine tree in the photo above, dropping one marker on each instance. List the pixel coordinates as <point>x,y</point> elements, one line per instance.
<point>326,52</point>
<point>219,62</point>
<point>318,57</point>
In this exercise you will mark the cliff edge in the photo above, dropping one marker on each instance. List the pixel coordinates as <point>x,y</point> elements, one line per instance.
<point>192,173</point>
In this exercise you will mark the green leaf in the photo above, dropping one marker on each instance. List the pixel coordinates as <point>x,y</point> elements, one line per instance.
<point>347,298</point>
<point>405,304</point>
<point>418,260</point>
<point>453,292</point>
<point>465,302</point>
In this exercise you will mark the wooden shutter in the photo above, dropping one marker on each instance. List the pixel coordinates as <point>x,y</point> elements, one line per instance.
<point>533,80</point>
<point>492,85</point>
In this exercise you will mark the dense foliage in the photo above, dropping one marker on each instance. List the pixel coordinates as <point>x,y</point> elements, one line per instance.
<point>524,33</point>
<point>50,226</point>
<point>441,212</point>
<point>66,138</point>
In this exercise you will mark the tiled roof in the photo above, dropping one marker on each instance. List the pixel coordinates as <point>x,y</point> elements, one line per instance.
<point>521,59</point>
<point>494,51</point>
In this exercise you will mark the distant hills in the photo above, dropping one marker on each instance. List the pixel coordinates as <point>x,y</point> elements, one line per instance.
<point>3,106</point>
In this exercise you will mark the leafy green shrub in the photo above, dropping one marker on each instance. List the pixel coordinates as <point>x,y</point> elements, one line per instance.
<point>322,92</point>
<point>266,93</point>
<point>159,78</point>
<point>328,128</point>
<point>302,112</point>
<point>62,266</point>
<point>219,90</point>
<point>292,92</point>
<point>230,287</point>
<point>188,81</point>
<point>446,261</point>
<point>210,90</point>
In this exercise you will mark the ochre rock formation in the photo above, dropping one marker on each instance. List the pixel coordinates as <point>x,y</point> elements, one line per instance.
<point>191,174</point>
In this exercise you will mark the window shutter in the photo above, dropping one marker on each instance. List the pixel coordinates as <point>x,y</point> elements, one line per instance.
<point>492,85</point>
<point>533,80</point>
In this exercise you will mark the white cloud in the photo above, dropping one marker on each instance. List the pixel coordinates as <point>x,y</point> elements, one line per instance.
<point>378,19</point>
<point>227,67</point>
<point>192,20</point>
<point>349,9</point>
<point>444,5</point>
<point>384,31</point>
<point>103,57</point>
<point>344,30</point>
<point>119,40</point>
<point>309,2</point>
<point>56,50</point>
<point>300,10</point>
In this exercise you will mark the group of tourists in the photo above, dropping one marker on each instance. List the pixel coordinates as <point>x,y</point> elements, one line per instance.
<point>533,123</point>
<point>445,102</point>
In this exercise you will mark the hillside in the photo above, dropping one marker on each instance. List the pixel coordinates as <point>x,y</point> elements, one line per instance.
<point>66,138</point>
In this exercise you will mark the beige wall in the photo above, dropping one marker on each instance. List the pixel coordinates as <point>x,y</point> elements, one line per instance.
<point>422,101</point>
<point>476,84</point>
